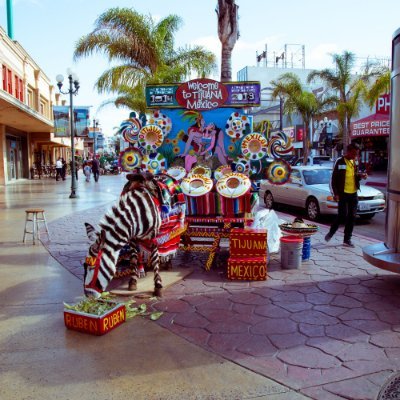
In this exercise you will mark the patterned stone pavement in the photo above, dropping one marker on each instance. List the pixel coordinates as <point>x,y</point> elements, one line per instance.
<point>330,329</point>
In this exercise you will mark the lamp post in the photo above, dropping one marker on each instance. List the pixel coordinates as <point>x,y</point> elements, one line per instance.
<point>72,90</point>
<point>95,125</point>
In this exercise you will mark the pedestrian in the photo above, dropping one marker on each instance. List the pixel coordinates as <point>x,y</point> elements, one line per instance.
<point>95,169</point>
<point>87,170</point>
<point>63,169</point>
<point>345,182</point>
<point>59,166</point>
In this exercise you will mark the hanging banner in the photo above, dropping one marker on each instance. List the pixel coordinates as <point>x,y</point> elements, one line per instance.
<point>203,94</point>
<point>61,121</point>
<point>82,121</point>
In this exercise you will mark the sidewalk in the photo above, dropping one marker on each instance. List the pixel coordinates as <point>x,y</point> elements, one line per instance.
<point>329,330</point>
<point>377,179</point>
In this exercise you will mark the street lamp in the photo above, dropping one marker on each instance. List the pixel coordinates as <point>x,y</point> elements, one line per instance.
<point>72,90</point>
<point>95,125</point>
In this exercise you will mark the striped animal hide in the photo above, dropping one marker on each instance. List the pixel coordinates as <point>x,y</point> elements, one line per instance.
<point>136,217</point>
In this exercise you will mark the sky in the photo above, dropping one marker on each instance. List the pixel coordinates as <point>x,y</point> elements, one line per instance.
<point>49,29</point>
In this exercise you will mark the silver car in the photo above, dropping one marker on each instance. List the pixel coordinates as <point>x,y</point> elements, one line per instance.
<point>308,188</point>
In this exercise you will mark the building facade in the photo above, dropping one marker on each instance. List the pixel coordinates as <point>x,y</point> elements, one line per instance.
<point>27,97</point>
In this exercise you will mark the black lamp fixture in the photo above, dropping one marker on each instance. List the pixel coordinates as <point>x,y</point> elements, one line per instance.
<point>72,90</point>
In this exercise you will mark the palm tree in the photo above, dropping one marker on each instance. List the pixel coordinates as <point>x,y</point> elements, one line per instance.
<point>228,33</point>
<point>349,89</point>
<point>298,100</point>
<point>140,52</point>
<point>379,86</point>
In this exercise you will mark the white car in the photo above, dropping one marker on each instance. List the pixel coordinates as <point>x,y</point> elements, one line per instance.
<point>308,188</point>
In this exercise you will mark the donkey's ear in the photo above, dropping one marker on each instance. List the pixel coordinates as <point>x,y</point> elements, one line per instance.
<point>102,237</point>
<point>91,232</point>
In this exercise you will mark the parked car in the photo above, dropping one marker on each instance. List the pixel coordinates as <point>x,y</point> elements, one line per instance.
<point>308,188</point>
<point>315,160</point>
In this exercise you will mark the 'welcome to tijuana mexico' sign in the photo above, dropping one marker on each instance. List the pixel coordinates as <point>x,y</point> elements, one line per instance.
<point>203,94</point>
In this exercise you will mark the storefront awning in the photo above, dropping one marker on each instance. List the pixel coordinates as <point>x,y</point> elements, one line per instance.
<point>373,125</point>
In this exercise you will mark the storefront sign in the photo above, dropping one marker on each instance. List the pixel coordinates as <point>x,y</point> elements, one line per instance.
<point>373,125</point>
<point>290,132</point>
<point>383,104</point>
<point>203,95</point>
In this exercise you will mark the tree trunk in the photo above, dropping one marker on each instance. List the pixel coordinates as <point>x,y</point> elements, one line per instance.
<point>228,33</point>
<point>305,142</point>
<point>226,64</point>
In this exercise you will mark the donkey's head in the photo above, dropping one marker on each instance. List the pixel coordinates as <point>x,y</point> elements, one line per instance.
<point>94,282</point>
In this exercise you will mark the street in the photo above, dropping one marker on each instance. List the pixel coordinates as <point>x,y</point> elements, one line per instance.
<point>373,228</point>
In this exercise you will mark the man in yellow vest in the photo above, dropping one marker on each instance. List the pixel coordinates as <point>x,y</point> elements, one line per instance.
<point>345,183</point>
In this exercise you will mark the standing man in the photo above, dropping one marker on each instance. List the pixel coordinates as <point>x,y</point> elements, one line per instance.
<point>59,167</point>
<point>95,169</point>
<point>345,183</point>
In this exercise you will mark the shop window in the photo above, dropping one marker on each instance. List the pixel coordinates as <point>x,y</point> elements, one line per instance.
<point>4,72</point>
<point>16,86</point>
<point>31,98</point>
<point>21,90</point>
<point>9,81</point>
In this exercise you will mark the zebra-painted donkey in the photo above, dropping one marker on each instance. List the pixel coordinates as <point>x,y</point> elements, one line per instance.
<point>135,220</point>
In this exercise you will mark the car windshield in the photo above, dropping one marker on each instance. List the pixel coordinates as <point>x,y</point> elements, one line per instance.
<point>317,176</point>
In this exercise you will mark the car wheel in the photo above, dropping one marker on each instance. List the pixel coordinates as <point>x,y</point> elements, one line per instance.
<point>367,217</point>
<point>268,200</point>
<point>312,209</point>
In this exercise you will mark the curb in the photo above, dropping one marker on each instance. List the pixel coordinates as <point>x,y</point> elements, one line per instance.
<point>380,184</point>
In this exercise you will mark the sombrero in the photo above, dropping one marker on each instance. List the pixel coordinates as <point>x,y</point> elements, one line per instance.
<point>200,170</point>
<point>196,185</point>
<point>233,185</point>
<point>150,138</point>
<point>222,170</point>
<point>236,125</point>
<point>154,163</point>
<point>163,121</point>
<point>254,146</point>
<point>177,173</point>
<point>130,159</point>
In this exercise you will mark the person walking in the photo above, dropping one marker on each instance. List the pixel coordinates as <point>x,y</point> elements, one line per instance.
<point>63,169</point>
<point>95,169</point>
<point>87,170</point>
<point>59,167</point>
<point>345,182</point>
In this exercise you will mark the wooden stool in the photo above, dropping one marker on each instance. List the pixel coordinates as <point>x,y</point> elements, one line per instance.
<point>36,216</point>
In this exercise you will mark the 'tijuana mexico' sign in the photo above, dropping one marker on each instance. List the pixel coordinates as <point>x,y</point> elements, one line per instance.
<point>203,94</point>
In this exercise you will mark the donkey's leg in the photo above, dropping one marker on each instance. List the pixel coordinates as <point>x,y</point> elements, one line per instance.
<point>132,285</point>
<point>155,262</point>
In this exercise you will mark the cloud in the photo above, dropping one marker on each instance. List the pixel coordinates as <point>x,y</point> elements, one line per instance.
<point>321,55</point>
